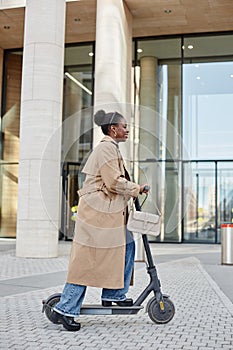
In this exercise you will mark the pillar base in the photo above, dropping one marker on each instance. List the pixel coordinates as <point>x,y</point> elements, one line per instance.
<point>36,240</point>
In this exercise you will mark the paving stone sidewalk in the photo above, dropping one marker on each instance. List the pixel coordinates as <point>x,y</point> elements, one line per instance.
<point>203,318</point>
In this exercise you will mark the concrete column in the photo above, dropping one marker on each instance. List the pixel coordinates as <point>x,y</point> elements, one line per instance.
<point>148,84</point>
<point>71,121</point>
<point>172,216</point>
<point>113,66</point>
<point>40,120</point>
<point>148,107</point>
<point>149,124</point>
<point>148,130</point>
<point>113,59</point>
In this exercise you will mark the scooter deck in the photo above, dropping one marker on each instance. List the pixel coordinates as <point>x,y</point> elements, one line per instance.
<point>109,310</point>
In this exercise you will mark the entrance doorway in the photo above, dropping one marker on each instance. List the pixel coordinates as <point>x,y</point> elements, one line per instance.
<point>200,202</point>
<point>207,200</point>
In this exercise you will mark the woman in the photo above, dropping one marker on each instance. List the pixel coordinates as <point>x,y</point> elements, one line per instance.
<point>102,253</point>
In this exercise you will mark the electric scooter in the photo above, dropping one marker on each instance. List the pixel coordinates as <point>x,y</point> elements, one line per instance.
<point>160,308</point>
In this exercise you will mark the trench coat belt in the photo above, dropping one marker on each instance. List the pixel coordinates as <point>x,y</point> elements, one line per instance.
<point>87,190</point>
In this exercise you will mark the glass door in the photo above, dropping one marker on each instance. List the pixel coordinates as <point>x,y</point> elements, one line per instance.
<point>72,180</point>
<point>199,202</point>
<point>225,191</point>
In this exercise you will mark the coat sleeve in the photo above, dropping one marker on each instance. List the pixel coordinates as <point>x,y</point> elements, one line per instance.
<point>112,176</point>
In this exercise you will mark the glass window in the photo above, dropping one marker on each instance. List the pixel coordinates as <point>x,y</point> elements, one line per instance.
<point>77,127</point>
<point>207,114</point>
<point>199,202</point>
<point>225,191</point>
<point>159,128</point>
<point>78,97</point>
<point>10,119</point>
<point>163,49</point>
<point>208,101</point>
<point>10,124</point>
<point>210,47</point>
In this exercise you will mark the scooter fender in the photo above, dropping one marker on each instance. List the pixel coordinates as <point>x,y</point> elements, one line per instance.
<point>45,302</point>
<point>165,296</point>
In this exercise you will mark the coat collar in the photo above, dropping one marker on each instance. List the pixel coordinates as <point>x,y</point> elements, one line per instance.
<point>107,138</point>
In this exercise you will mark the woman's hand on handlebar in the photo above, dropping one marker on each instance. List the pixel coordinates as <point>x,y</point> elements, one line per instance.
<point>145,188</point>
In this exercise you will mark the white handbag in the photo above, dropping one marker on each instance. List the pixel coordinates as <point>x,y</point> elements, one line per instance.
<point>144,223</point>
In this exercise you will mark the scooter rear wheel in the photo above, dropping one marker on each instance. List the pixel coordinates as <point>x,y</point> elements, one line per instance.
<point>49,304</point>
<point>158,315</point>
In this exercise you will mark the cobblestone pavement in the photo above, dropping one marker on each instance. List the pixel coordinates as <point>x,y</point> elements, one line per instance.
<point>203,318</point>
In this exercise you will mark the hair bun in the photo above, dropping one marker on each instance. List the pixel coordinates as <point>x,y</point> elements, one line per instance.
<point>99,117</point>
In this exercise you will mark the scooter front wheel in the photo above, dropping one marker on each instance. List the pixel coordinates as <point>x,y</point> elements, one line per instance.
<point>49,304</point>
<point>161,312</point>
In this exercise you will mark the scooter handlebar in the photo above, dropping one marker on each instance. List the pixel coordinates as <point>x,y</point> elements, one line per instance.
<point>136,202</point>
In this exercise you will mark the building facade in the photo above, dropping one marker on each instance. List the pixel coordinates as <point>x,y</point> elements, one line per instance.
<point>168,69</point>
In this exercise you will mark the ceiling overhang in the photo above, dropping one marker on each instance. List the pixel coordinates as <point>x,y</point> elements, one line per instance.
<point>150,18</point>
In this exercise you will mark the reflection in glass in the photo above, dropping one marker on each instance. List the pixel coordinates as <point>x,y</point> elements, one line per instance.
<point>160,129</point>
<point>208,48</point>
<point>10,125</point>
<point>77,128</point>
<point>199,202</point>
<point>225,193</point>
<point>78,96</point>
<point>207,110</point>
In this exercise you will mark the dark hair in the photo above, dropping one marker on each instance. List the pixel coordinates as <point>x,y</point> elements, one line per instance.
<point>105,120</point>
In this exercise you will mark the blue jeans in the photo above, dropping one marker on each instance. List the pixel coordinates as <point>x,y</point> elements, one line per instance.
<point>73,294</point>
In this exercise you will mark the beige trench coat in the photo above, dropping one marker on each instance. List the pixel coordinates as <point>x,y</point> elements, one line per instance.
<point>98,249</point>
